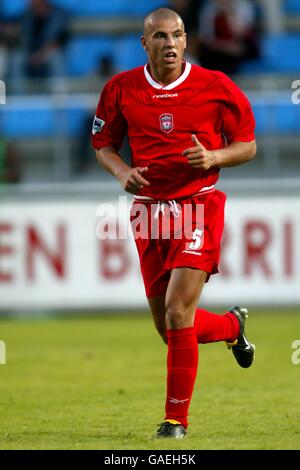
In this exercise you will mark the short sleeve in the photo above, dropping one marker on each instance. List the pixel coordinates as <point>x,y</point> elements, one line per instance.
<point>109,126</point>
<point>238,119</point>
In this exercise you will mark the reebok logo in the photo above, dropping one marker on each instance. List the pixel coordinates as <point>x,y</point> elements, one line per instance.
<point>190,252</point>
<point>166,95</point>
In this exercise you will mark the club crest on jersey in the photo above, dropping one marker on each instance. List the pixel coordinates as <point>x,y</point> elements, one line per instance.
<point>166,122</point>
<point>97,125</point>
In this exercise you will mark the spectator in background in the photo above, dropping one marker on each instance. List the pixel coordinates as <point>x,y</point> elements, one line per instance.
<point>227,34</point>
<point>189,11</point>
<point>8,40</point>
<point>43,35</point>
<point>3,54</point>
<point>10,170</point>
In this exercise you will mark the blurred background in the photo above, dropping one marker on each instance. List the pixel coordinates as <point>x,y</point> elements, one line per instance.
<point>55,57</point>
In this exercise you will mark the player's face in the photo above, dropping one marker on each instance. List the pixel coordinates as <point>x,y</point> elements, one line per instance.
<point>165,43</point>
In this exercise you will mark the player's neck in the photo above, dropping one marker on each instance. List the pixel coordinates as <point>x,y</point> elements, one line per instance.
<point>165,77</point>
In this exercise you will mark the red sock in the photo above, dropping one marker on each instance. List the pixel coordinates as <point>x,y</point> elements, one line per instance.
<point>182,366</point>
<point>211,327</point>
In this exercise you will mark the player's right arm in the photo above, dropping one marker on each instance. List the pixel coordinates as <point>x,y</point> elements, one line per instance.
<point>131,179</point>
<point>109,130</point>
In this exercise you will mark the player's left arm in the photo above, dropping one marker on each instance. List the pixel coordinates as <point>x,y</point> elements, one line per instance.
<point>237,121</point>
<point>236,153</point>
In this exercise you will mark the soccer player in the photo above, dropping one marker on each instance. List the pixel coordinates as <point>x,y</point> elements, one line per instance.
<point>184,123</point>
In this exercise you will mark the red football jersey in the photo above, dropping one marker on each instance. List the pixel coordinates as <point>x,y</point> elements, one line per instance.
<point>160,121</point>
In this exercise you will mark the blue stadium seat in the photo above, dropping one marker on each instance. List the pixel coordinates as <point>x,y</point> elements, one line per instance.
<point>283,52</point>
<point>292,6</point>
<point>94,7</point>
<point>33,120</point>
<point>84,54</point>
<point>142,7</point>
<point>279,117</point>
<point>13,8</point>
<point>288,118</point>
<point>110,7</point>
<point>280,53</point>
<point>129,53</point>
<point>40,119</point>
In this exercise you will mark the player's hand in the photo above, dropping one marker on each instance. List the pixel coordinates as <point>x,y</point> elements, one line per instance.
<point>132,180</point>
<point>198,157</point>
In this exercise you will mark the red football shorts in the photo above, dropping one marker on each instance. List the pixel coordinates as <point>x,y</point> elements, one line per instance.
<point>176,234</point>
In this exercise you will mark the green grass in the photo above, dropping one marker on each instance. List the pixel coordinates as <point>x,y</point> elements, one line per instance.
<point>98,383</point>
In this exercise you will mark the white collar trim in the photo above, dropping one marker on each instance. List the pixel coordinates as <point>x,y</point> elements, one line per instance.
<point>172,85</point>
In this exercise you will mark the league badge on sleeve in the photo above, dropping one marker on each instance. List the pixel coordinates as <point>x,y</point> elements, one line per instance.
<point>97,125</point>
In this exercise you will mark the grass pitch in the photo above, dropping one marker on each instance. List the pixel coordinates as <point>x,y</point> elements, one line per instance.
<point>99,383</point>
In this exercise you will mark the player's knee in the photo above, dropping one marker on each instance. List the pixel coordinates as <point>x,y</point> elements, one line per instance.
<point>175,317</point>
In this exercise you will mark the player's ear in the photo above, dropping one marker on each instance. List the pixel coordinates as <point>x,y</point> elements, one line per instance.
<point>144,43</point>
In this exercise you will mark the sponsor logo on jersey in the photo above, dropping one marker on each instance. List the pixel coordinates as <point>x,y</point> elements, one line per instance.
<point>166,122</point>
<point>97,125</point>
<point>166,95</point>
